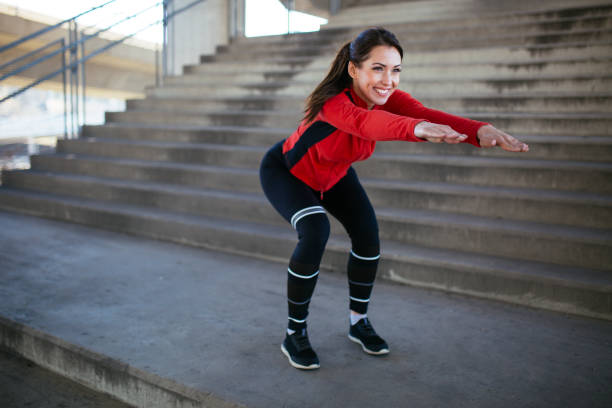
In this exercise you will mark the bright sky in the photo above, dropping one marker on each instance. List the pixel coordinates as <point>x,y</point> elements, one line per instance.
<point>264,17</point>
<point>267,17</point>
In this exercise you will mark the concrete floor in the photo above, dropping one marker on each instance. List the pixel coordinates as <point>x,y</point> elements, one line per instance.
<point>215,322</point>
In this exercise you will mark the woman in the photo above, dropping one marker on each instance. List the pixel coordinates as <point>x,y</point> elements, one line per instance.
<point>310,173</point>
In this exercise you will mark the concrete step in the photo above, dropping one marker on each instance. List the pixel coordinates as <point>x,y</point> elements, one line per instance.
<point>236,67</point>
<point>187,153</point>
<point>233,135</point>
<point>503,23</point>
<point>278,119</point>
<point>407,12</point>
<point>519,7</point>
<point>579,289</point>
<point>429,41</point>
<point>444,7</point>
<point>508,172</point>
<point>25,384</point>
<point>440,207</point>
<point>411,32</point>
<point>279,62</point>
<point>502,54</point>
<point>484,171</point>
<point>549,123</point>
<point>574,246</point>
<point>541,54</point>
<point>595,37</point>
<point>541,147</point>
<point>546,123</point>
<point>445,87</point>
<point>553,207</point>
<point>573,103</point>
<point>514,239</point>
<point>534,53</point>
<point>554,147</point>
<point>229,90</point>
<point>525,70</point>
<point>589,102</point>
<point>191,175</point>
<point>495,86</point>
<point>516,204</point>
<point>245,76</point>
<point>267,103</point>
<point>553,18</point>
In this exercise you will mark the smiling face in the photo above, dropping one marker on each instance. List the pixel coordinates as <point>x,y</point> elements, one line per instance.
<point>375,79</point>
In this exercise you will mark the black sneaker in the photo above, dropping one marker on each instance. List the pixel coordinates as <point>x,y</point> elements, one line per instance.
<point>363,333</point>
<point>299,352</point>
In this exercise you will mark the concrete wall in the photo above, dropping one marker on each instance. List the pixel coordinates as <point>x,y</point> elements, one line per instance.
<point>324,8</point>
<point>319,8</point>
<point>199,30</point>
<point>356,3</point>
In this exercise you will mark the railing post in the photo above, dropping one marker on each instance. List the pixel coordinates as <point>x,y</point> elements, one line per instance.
<point>233,18</point>
<point>84,84</point>
<point>290,7</point>
<point>64,86</point>
<point>236,16</point>
<point>334,6</point>
<point>157,66</point>
<point>74,78</point>
<point>165,40</point>
<point>172,46</point>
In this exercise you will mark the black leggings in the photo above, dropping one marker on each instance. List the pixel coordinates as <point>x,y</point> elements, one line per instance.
<point>302,206</point>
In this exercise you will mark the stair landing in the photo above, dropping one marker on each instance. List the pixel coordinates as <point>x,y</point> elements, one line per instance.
<point>214,322</point>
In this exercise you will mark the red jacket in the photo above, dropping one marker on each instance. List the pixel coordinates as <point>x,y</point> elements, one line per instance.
<point>320,152</point>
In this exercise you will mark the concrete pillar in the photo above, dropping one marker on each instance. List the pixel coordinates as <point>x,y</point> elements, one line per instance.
<point>237,18</point>
<point>200,29</point>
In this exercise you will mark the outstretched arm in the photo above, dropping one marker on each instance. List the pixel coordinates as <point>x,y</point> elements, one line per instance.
<point>487,135</point>
<point>402,103</point>
<point>444,127</point>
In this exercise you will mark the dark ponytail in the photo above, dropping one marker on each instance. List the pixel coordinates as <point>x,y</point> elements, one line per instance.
<point>338,77</point>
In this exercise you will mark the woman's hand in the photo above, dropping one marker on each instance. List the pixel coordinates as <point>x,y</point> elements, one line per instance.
<point>490,136</point>
<point>435,133</point>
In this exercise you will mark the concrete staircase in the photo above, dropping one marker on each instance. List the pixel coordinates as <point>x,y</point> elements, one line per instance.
<point>533,229</point>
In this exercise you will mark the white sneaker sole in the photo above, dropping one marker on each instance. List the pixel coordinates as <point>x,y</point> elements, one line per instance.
<point>296,365</point>
<point>374,353</point>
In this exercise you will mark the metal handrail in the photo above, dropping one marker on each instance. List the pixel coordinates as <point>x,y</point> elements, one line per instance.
<point>75,64</point>
<point>75,61</point>
<point>33,63</point>
<point>47,29</point>
<point>29,54</point>
<point>72,44</point>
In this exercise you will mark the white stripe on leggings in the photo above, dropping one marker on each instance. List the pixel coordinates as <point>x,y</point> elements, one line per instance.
<point>365,258</point>
<point>304,212</point>
<point>297,303</point>
<point>302,276</point>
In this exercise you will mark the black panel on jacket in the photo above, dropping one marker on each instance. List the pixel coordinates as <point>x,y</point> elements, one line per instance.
<point>314,134</point>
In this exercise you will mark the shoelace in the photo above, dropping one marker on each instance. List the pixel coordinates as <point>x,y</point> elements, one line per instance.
<point>367,328</point>
<point>301,341</point>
